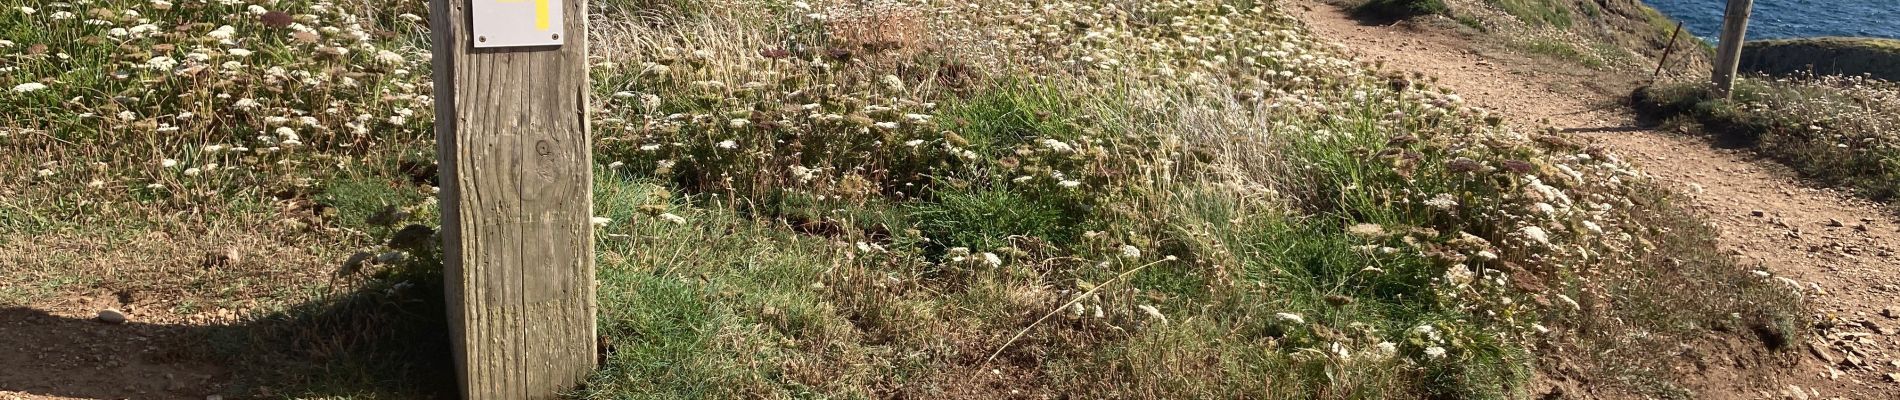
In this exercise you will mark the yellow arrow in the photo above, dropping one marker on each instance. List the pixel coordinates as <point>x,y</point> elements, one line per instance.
<point>541,14</point>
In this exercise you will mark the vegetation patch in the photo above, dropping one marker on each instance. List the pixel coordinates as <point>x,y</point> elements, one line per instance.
<point>1398,9</point>
<point>841,199</point>
<point>1872,57</point>
<point>1839,131</point>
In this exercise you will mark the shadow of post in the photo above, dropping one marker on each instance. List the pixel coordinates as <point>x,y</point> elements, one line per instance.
<point>378,341</point>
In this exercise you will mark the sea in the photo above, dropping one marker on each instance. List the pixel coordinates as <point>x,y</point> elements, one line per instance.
<point>1784,19</point>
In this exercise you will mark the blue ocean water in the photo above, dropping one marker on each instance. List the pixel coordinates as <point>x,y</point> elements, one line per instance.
<point>1781,19</point>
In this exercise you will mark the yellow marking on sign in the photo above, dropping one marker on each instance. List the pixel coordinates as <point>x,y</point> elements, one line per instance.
<point>541,14</point>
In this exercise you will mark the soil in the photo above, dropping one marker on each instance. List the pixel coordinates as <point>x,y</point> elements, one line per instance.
<point>1840,247</point>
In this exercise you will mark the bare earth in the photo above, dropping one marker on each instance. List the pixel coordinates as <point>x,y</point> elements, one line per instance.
<point>1842,248</point>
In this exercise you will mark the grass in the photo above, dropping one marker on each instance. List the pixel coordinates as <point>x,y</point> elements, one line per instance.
<point>1835,130</point>
<point>851,201</point>
<point>1550,13</point>
<point>1396,9</point>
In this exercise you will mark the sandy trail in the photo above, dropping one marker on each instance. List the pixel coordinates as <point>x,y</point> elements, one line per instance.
<point>1842,246</point>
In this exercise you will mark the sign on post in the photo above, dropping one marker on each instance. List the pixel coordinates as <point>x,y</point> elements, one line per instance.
<point>511,94</point>
<point>516,23</point>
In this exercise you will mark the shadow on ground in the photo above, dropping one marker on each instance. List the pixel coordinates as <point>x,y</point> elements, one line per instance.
<point>381,341</point>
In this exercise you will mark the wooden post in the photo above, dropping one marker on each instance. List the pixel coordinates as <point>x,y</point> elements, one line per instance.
<point>1728,56</point>
<point>517,196</point>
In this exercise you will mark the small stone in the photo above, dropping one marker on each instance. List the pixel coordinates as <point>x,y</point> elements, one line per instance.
<point>1835,223</point>
<point>1890,312</point>
<point>1823,353</point>
<point>1758,213</point>
<point>111,316</point>
<point>1893,376</point>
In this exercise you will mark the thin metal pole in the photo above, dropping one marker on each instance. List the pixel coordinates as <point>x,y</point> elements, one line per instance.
<point>1665,55</point>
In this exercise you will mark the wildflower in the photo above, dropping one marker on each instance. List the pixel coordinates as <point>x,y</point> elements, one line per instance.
<point>168,163</point>
<point>914,142</point>
<point>1289,317</point>
<point>192,171</point>
<point>1435,352</point>
<point>1069,183</point>
<point>1366,230</point>
<point>992,259</point>
<point>161,63</point>
<point>886,125</point>
<point>1153,312</point>
<point>1130,251</point>
<point>1568,301</point>
<point>95,184</point>
<point>29,87</point>
<point>1536,234</point>
<point>45,173</point>
<point>728,144</point>
<point>238,52</point>
<point>738,123</point>
<point>602,221</point>
<point>389,57</point>
<point>1443,201</point>
<point>669,217</point>
<point>1388,348</point>
<point>222,33</point>
<point>1057,146</point>
<point>245,104</point>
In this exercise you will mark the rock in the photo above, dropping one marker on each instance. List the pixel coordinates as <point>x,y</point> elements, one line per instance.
<point>1823,353</point>
<point>1893,376</point>
<point>1890,312</point>
<point>1835,223</point>
<point>1758,213</point>
<point>111,316</point>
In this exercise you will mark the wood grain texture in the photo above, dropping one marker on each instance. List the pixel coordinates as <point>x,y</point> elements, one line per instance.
<point>517,198</point>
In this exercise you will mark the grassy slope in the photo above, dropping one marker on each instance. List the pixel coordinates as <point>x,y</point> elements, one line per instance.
<point>1877,58</point>
<point>1839,131</point>
<point>829,200</point>
<point>1598,35</point>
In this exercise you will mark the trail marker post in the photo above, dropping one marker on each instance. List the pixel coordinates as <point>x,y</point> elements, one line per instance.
<point>1728,56</point>
<point>511,98</point>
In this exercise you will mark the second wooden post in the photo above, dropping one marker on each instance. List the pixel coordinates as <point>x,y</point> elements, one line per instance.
<point>1728,55</point>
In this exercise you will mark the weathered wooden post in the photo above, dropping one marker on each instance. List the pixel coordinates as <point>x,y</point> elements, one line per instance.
<point>1728,55</point>
<point>511,93</point>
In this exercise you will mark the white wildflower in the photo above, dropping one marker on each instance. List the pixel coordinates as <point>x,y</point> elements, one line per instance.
<point>222,33</point>
<point>1130,251</point>
<point>1153,312</point>
<point>29,87</point>
<point>669,217</point>
<point>1435,352</point>
<point>1290,317</point>
<point>1536,234</point>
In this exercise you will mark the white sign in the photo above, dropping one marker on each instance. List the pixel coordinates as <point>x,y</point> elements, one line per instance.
<point>517,23</point>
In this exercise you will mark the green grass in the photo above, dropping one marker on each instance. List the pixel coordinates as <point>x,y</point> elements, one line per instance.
<point>1401,8</point>
<point>1565,51</point>
<point>1551,13</point>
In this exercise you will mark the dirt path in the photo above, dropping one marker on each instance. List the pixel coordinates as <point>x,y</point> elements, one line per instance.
<point>1842,247</point>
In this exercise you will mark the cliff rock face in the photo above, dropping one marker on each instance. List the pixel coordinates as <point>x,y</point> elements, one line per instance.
<point>1879,58</point>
